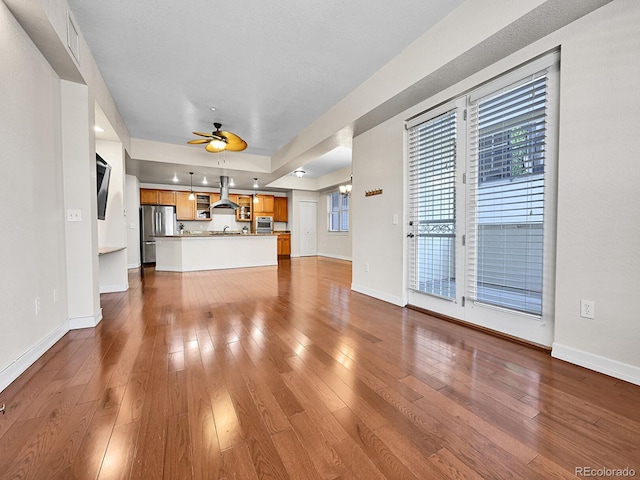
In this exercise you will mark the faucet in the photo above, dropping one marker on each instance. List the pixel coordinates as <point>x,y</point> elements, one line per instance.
<point>224,230</point>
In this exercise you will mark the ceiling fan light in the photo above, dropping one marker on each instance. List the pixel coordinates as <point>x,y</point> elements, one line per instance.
<point>217,144</point>
<point>299,173</point>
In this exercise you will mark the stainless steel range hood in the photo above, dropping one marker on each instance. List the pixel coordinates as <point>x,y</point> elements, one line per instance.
<point>224,201</point>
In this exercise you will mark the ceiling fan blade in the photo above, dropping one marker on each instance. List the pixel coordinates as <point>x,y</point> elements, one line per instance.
<point>211,149</point>
<point>198,141</point>
<point>231,137</point>
<point>237,146</point>
<point>234,142</point>
<point>203,134</point>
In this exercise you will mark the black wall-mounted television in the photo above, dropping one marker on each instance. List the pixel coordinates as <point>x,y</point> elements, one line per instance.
<point>103,171</point>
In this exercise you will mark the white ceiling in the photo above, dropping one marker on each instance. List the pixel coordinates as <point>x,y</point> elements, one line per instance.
<point>269,68</point>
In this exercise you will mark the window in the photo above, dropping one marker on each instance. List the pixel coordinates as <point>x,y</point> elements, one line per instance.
<point>338,208</point>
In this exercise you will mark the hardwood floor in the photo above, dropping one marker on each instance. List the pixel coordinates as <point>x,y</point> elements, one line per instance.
<point>285,373</point>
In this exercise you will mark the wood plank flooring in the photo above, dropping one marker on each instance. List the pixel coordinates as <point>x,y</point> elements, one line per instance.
<point>284,373</point>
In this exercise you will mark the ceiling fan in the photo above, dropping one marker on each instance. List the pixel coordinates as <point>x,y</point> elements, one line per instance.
<point>219,140</point>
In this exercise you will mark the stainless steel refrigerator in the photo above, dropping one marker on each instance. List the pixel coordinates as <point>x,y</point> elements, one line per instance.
<point>154,220</point>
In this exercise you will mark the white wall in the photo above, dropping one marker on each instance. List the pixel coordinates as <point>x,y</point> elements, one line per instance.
<point>112,230</point>
<point>32,248</point>
<point>598,255</point>
<point>598,209</point>
<point>132,205</point>
<point>378,244</point>
<point>47,257</point>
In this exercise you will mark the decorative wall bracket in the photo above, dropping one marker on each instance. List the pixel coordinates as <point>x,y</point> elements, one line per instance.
<point>370,193</point>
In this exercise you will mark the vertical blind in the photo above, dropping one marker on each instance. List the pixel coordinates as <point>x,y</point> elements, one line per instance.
<point>432,168</point>
<point>505,196</point>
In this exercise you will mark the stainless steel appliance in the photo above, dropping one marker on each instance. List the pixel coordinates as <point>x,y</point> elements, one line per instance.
<point>264,224</point>
<point>154,220</point>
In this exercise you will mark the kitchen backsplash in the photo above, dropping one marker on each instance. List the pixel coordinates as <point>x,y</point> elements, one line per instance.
<point>220,220</point>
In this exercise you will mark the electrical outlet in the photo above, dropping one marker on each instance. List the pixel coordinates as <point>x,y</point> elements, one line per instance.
<point>55,296</point>
<point>74,215</point>
<point>587,309</point>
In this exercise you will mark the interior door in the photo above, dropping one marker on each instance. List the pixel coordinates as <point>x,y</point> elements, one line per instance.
<point>308,228</point>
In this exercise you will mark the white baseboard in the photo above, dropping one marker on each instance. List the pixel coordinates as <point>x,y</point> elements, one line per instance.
<point>134,265</point>
<point>337,257</point>
<point>20,365</point>
<point>114,288</point>
<point>614,368</point>
<point>85,322</point>
<point>399,301</point>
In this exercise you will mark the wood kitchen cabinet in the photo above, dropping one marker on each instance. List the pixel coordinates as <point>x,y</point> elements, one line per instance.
<point>185,208</point>
<point>280,209</point>
<point>264,206</point>
<point>166,197</point>
<point>244,213</point>
<point>197,209</point>
<point>149,196</point>
<point>284,245</point>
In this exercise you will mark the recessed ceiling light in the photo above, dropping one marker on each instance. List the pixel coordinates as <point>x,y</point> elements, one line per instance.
<point>231,182</point>
<point>175,177</point>
<point>213,109</point>
<point>204,181</point>
<point>98,129</point>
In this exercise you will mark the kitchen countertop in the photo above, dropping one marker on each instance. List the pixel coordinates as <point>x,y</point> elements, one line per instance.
<point>217,235</point>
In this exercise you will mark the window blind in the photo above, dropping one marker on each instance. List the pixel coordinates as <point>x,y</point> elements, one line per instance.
<point>432,168</point>
<point>505,196</point>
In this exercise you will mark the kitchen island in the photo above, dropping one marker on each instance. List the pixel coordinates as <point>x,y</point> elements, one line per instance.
<point>191,253</point>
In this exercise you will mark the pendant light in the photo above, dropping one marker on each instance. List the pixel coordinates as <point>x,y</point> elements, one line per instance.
<point>255,190</point>
<point>191,195</point>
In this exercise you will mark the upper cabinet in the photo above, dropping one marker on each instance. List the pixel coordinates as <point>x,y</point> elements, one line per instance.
<point>149,196</point>
<point>245,207</point>
<point>197,209</point>
<point>264,206</point>
<point>185,208</point>
<point>203,206</point>
<point>166,197</point>
<point>280,209</point>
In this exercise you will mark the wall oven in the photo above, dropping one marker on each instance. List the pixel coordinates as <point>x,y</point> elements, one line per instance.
<point>264,224</point>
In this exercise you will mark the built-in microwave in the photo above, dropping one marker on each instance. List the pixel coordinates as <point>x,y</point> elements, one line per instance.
<point>264,224</point>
